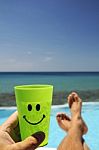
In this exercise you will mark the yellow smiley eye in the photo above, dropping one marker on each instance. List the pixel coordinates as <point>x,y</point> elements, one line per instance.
<point>29,107</point>
<point>38,107</point>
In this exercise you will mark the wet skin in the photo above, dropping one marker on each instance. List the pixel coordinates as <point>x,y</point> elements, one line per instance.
<point>29,109</point>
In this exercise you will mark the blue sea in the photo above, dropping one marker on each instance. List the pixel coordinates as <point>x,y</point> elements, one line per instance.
<point>62,81</point>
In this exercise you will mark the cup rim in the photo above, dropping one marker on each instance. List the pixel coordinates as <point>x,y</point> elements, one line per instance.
<point>33,87</point>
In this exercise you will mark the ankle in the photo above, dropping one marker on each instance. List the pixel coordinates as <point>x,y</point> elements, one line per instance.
<point>76,115</point>
<point>76,130</point>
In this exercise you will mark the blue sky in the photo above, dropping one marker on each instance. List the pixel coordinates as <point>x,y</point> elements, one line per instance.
<point>49,35</point>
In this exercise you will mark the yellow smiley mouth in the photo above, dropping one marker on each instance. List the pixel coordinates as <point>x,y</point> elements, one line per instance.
<point>35,122</point>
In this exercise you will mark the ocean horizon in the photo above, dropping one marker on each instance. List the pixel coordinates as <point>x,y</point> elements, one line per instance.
<point>86,84</point>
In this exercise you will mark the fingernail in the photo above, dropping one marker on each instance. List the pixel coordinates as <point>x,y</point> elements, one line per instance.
<point>40,136</point>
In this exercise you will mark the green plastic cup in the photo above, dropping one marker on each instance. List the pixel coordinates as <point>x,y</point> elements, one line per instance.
<point>34,106</point>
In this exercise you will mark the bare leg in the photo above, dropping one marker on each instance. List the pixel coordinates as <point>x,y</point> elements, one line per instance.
<point>75,104</point>
<point>75,126</point>
<point>65,123</point>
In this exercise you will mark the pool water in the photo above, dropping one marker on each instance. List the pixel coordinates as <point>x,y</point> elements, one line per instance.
<point>90,114</point>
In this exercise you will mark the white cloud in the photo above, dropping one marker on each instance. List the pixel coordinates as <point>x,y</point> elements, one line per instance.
<point>47,59</point>
<point>29,52</point>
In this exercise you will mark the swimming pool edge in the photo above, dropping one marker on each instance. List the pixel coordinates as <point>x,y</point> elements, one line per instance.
<point>53,106</point>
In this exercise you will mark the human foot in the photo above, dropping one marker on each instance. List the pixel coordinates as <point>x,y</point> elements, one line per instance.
<point>63,121</point>
<point>75,105</point>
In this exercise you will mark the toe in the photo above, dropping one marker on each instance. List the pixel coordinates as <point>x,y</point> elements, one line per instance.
<point>63,116</point>
<point>73,97</point>
<point>70,100</point>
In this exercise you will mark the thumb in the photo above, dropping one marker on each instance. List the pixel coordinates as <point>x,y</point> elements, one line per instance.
<point>30,143</point>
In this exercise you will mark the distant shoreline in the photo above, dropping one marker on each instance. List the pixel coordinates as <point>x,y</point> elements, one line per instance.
<point>51,72</point>
<point>59,97</point>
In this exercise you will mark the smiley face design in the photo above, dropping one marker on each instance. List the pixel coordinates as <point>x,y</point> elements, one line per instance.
<point>34,117</point>
<point>37,108</point>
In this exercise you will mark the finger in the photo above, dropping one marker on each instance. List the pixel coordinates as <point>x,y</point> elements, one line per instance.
<point>29,143</point>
